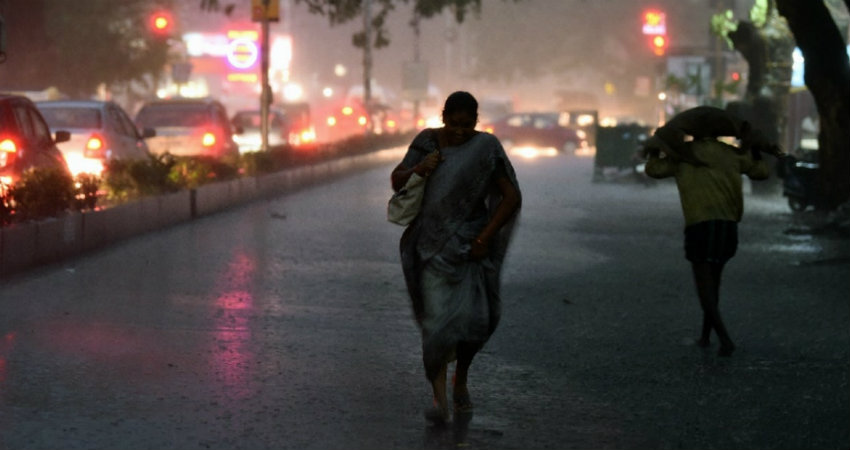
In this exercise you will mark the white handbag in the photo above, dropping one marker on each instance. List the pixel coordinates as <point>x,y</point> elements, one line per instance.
<point>404,205</point>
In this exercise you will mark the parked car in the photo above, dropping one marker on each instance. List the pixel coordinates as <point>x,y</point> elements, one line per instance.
<point>539,129</point>
<point>251,138</point>
<point>188,127</point>
<point>100,130</point>
<point>25,140</point>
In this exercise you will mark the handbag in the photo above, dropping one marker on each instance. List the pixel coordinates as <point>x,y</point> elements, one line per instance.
<point>404,205</point>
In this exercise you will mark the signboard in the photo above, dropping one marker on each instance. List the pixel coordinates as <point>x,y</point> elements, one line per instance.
<point>243,53</point>
<point>265,9</point>
<point>654,23</point>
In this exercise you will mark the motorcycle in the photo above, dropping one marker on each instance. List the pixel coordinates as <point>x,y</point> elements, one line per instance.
<point>799,181</point>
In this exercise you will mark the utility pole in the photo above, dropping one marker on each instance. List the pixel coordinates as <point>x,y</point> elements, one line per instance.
<point>265,96</point>
<point>416,56</point>
<point>367,60</point>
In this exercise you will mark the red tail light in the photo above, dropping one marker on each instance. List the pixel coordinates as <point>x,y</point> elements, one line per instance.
<point>208,139</point>
<point>8,152</point>
<point>95,147</point>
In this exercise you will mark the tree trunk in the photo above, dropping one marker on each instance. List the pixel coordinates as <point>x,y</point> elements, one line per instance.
<point>828,78</point>
<point>767,50</point>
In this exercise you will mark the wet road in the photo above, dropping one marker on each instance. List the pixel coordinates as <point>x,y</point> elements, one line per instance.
<point>284,324</point>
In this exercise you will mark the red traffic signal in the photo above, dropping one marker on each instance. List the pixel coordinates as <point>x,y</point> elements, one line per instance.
<point>161,23</point>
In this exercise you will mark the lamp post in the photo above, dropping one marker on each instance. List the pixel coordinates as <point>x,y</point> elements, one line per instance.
<point>265,96</point>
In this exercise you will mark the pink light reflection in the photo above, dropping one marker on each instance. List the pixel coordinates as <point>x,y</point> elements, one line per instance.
<point>6,345</point>
<point>232,357</point>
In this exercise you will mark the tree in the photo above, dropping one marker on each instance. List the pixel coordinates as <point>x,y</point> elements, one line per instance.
<point>374,13</point>
<point>766,43</point>
<point>828,78</point>
<point>79,48</point>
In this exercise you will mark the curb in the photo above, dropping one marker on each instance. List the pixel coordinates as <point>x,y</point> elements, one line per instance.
<point>28,245</point>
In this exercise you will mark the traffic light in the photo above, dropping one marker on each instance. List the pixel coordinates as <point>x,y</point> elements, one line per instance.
<point>161,23</point>
<point>655,27</point>
<point>659,45</point>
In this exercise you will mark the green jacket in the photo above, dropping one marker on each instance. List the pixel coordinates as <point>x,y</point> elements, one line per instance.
<point>710,186</point>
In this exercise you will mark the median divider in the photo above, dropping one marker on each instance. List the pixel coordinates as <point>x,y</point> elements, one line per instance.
<point>25,246</point>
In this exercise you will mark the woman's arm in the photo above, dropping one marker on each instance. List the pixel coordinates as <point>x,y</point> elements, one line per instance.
<point>508,205</point>
<point>401,174</point>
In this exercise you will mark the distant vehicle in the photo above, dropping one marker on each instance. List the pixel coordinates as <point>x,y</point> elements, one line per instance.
<point>538,129</point>
<point>349,117</point>
<point>188,127</point>
<point>251,138</point>
<point>301,129</point>
<point>25,140</point>
<point>100,131</point>
<point>286,127</point>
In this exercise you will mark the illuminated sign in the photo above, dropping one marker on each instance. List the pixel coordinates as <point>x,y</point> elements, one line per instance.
<point>243,53</point>
<point>654,23</point>
<point>242,77</point>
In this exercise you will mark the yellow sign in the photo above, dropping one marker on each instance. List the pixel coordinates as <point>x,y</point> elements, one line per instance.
<point>265,9</point>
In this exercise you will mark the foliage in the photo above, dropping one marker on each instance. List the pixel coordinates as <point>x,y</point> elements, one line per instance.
<point>191,172</point>
<point>86,191</point>
<point>724,23</point>
<point>257,163</point>
<point>7,206</point>
<point>126,180</point>
<point>107,38</point>
<point>343,11</point>
<point>42,192</point>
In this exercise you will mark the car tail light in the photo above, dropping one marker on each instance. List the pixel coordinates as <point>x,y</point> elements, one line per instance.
<point>208,139</point>
<point>95,147</point>
<point>308,135</point>
<point>8,152</point>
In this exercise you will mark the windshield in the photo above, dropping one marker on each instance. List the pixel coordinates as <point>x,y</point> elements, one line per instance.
<point>252,119</point>
<point>63,118</point>
<point>162,116</point>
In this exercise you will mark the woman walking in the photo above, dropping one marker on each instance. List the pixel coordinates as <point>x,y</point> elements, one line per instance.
<point>453,251</point>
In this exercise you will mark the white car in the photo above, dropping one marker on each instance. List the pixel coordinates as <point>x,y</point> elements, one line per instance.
<point>189,127</point>
<point>100,130</point>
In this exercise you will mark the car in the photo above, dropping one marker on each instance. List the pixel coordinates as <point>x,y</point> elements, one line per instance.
<point>539,129</point>
<point>250,140</point>
<point>301,129</point>
<point>25,140</point>
<point>189,127</point>
<point>100,131</point>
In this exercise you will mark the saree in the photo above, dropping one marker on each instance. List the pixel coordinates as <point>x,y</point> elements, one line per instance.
<point>455,298</point>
